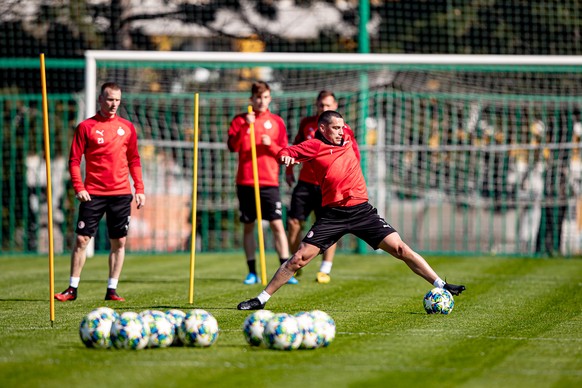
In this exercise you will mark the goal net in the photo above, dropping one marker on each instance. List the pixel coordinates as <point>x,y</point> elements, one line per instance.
<point>462,154</point>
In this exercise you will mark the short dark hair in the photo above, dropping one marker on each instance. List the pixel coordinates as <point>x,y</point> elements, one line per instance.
<point>259,87</point>
<point>325,93</point>
<point>326,117</point>
<point>110,85</point>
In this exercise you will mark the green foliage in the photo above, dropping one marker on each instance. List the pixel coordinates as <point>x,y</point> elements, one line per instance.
<point>517,324</point>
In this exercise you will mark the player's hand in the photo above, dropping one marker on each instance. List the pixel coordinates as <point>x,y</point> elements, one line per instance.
<point>83,196</point>
<point>290,179</point>
<point>288,160</point>
<point>140,199</point>
<point>250,117</point>
<point>266,140</point>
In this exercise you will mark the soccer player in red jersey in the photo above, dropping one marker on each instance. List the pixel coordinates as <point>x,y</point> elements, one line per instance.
<point>306,195</point>
<point>271,137</point>
<point>109,144</point>
<point>345,209</point>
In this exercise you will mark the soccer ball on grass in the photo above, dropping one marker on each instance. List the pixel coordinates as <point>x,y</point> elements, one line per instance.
<point>161,330</point>
<point>198,328</point>
<point>129,331</point>
<point>282,332</point>
<point>311,338</point>
<point>438,301</point>
<point>176,317</point>
<point>254,326</point>
<point>324,327</point>
<point>95,327</point>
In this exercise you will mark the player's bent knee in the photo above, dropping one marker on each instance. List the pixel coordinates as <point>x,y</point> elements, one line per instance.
<point>294,263</point>
<point>83,241</point>
<point>294,224</point>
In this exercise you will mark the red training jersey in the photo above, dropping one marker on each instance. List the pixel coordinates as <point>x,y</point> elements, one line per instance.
<point>307,130</point>
<point>239,140</point>
<point>111,155</point>
<point>337,170</point>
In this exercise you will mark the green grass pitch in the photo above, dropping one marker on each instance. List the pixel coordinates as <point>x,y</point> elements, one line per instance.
<point>519,324</point>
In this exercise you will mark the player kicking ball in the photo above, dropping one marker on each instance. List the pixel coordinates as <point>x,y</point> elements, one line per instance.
<point>345,209</point>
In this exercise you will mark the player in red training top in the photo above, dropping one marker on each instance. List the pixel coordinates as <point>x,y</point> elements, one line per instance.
<point>345,209</point>
<point>109,144</point>
<point>306,195</point>
<point>271,137</point>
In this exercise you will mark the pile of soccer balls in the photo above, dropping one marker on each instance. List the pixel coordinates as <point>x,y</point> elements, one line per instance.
<point>105,328</point>
<point>304,330</point>
<point>438,301</point>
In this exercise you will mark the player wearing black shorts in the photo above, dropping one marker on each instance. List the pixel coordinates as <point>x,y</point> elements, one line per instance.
<point>109,145</point>
<point>117,208</point>
<point>306,196</point>
<point>270,137</point>
<point>345,209</point>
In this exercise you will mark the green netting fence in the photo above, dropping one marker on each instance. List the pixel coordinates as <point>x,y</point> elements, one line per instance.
<point>465,172</point>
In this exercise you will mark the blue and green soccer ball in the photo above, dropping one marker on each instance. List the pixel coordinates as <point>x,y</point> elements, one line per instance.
<point>282,332</point>
<point>95,327</point>
<point>129,331</point>
<point>438,301</point>
<point>324,327</point>
<point>176,317</point>
<point>311,338</point>
<point>198,328</point>
<point>254,326</point>
<point>161,330</point>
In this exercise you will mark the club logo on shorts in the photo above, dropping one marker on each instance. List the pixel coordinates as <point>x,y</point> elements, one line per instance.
<point>310,234</point>
<point>120,131</point>
<point>81,225</point>
<point>385,224</point>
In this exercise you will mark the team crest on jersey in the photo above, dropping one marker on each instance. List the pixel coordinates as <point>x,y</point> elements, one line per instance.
<point>268,125</point>
<point>310,134</point>
<point>120,131</point>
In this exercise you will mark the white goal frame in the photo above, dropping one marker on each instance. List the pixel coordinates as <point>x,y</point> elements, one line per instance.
<point>92,56</point>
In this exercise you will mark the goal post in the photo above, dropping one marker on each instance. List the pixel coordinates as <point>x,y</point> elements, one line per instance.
<point>466,154</point>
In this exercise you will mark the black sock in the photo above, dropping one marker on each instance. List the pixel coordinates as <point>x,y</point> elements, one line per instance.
<point>252,266</point>
<point>281,260</point>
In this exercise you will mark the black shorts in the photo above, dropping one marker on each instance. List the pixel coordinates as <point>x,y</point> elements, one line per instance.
<point>271,208</point>
<point>361,220</point>
<point>117,209</point>
<point>306,198</point>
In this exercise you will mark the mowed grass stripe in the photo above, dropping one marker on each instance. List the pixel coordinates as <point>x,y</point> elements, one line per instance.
<point>516,305</point>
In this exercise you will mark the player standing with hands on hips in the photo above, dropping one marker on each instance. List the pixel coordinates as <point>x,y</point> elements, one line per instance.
<point>345,209</point>
<point>306,195</point>
<point>109,144</point>
<point>271,136</point>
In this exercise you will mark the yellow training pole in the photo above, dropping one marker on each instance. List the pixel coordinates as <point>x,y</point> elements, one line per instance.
<point>258,202</point>
<point>194,200</point>
<point>49,196</point>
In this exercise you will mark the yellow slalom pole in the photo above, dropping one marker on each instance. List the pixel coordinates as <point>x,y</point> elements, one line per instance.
<point>49,196</point>
<point>194,201</point>
<point>258,202</point>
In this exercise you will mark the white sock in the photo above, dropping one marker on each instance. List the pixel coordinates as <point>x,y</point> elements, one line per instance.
<point>326,267</point>
<point>74,282</point>
<point>439,283</point>
<point>264,297</point>
<point>112,283</point>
